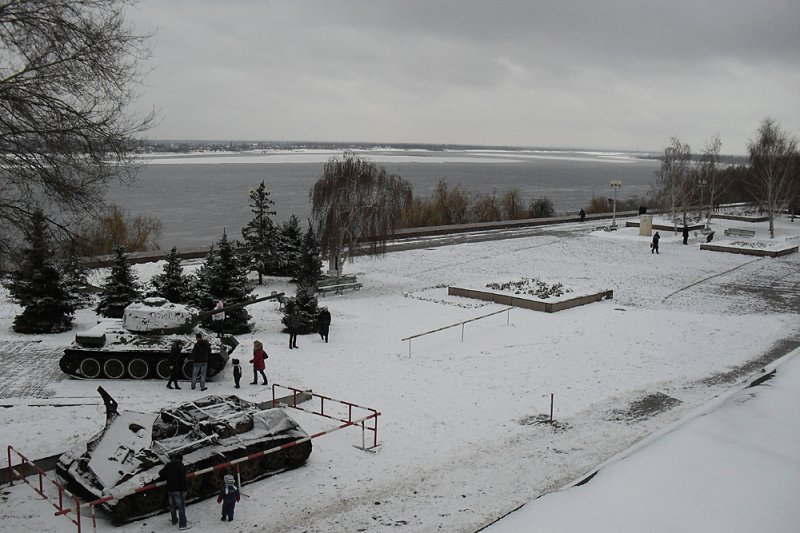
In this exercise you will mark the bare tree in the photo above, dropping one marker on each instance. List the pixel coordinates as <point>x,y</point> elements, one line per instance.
<point>513,205</point>
<point>774,177</point>
<point>68,73</point>
<point>356,206</point>
<point>450,205</point>
<point>486,208</point>
<point>675,179</point>
<point>115,227</point>
<point>708,178</point>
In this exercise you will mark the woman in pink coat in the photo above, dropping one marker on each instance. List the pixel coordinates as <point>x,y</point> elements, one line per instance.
<point>259,355</point>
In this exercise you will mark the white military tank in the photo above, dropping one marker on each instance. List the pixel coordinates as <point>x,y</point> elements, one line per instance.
<point>137,346</point>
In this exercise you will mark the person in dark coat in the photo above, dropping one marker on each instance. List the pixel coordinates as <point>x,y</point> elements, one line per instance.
<point>582,214</point>
<point>228,496</point>
<point>654,244</point>
<point>175,363</point>
<point>174,473</point>
<point>237,372</point>
<point>259,365</point>
<point>324,323</point>
<point>200,354</point>
<point>685,234</point>
<point>294,326</point>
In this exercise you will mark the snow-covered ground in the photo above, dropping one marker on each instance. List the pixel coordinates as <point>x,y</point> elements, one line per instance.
<point>462,432</point>
<point>732,465</point>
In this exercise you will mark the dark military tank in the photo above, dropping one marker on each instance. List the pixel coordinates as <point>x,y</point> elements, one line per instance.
<point>133,447</point>
<point>137,346</point>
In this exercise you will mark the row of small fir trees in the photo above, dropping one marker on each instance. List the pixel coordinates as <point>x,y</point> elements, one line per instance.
<point>51,291</point>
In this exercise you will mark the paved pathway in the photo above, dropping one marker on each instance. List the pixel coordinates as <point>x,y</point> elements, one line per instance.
<point>28,369</point>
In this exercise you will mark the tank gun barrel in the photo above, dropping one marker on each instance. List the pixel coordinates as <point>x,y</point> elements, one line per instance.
<point>202,315</point>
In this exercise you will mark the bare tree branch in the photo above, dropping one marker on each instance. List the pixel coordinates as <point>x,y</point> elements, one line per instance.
<point>69,70</point>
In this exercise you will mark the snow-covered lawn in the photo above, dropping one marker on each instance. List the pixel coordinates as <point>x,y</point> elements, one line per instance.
<point>462,441</point>
<point>732,465</point>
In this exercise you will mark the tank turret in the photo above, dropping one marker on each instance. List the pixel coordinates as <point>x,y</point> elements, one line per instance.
<point>137,346</point>
<point>133,447</point>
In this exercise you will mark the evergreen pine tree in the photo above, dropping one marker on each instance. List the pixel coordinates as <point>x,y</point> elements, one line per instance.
<point>37,285</point>
<point>75,276</point>
<point>260,236</point>
<point>172,283</point>
<point>121,287</point>
<point>309,263</point>
<point>199,296</point>
<point>305,301</point>
<point>289,244</point>
<point>224,278</point>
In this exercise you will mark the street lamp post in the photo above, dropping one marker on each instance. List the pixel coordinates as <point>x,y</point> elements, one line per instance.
<point>615,184</point>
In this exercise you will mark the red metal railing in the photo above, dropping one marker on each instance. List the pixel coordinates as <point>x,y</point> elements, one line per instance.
<point>92,505</point>
<point>347,421</point>
<point>62,492</point>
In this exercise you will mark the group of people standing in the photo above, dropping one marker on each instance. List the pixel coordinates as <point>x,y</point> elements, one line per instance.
<point>202,351</point>
<point>200,354</point>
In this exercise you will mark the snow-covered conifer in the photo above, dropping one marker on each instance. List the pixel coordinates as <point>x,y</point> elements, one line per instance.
<point>121,287</point>
<point>305,301</point>
<point>172,283</point>
<point>260,235</point>
<point>223,277</point>
<point>289,245</point>
<point>309,262</point>
<point>37,285</point>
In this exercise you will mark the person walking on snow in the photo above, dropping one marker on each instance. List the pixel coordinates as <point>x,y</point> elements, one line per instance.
<point>685,234</point>
<point>294,325</point>
<point>228,496</point>
<point>200,355</point>
<point>259,364</point>
<point>582,214</point>
<point>175,360</point>
<point>324,322</point>
<point>654,244</point>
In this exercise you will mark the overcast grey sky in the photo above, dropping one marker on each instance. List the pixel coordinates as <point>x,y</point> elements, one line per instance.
<point>609,74</point>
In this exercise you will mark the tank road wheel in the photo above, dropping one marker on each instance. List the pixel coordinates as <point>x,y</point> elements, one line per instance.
<point>114,368</point>
<point>90,368</point>
<point>187,370</point>
<point>138,368</point>
<point>162,369</point>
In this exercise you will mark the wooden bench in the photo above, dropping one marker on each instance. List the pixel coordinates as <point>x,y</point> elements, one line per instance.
<point>338,288</point>
<point>738,232</point>
<point>338,284</point>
